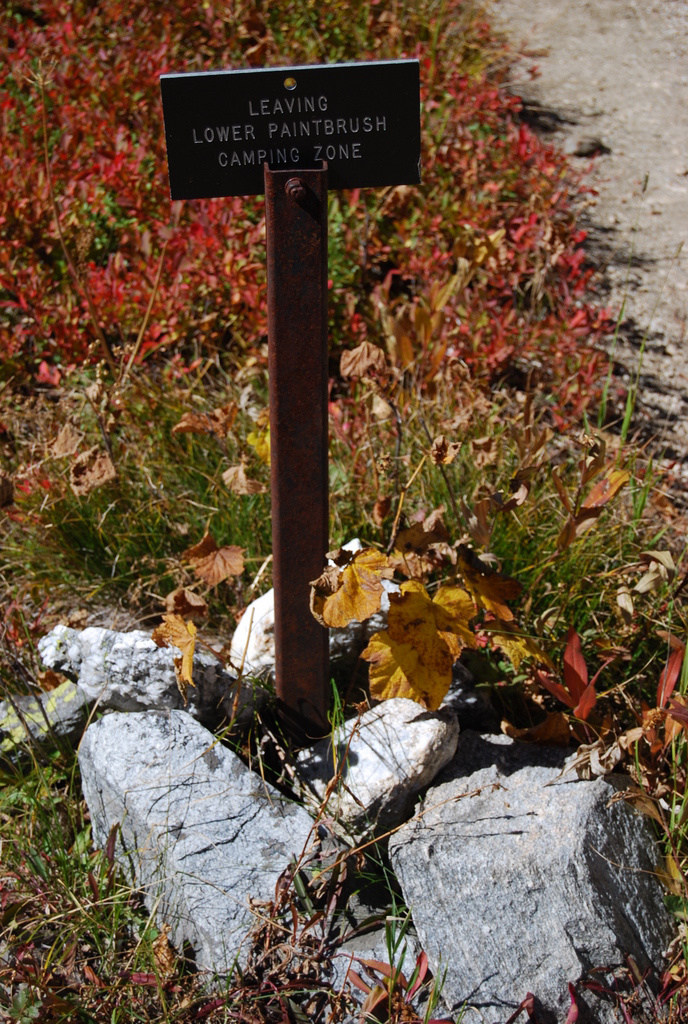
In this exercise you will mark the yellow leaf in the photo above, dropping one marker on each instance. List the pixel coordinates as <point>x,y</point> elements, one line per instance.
<point>458,609</point>
<point>396,670</point>
<point>518,646</point>
<point>175,632</point>
<point>355,594</point>
<point>440,296</point>
<point>413,657</point>
<point>489,588</point>
<point>260,442</point>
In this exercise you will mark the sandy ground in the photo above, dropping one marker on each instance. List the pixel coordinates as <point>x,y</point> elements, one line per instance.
<point>607,80</point>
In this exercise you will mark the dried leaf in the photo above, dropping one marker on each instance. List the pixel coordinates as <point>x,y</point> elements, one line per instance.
<point>561,490</point>
<point>664,558</point>
<point>490,589</point>
<point>485,451</point>
<point>354,594</point>
<point>477,522</point>
<point>593,463</point>
<point>236,480</point>
<point>175,632</point>
<point>381,409</point>
<point>49,680</point>
<point>605,489</point>
<point>381,509</point>
<point>214,564</point>
<point>185,603</point>
<point>220,421</point>
<point>163,953</point>
<point>323,588</point>
<point>363,360</point>
<point>576,526</point>
<point>66,442</point>
<point>95,392</point>
<point>89,470</point>
<point>554,731</point>
<point>443,452</point>
<point>653,579</point>
<point>624,600</point>
<point>644,804</point>
<point>661,569</point>
<point>420,536</point>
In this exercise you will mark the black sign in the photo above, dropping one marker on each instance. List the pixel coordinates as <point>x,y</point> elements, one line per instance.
<point>362,119</point>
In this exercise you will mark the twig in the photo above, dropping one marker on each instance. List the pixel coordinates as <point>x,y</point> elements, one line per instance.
<point>402,496</point>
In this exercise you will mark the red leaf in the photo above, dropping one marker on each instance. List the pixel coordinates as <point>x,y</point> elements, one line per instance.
<point>358,981</point>
<point>48,375</point>
<point>586,703</point>
<point>572,1015</point>
<point>678,711</point>
<point>422,968</point>
<point>669,677</point>
<point>575,670</point>
<point>528,1004</point>
<point>556,689</point>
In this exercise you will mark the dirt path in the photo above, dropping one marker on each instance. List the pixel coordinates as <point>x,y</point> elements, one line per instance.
<point>608,81</point>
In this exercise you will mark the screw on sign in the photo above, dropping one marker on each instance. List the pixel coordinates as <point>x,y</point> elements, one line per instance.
<point>292,133</point>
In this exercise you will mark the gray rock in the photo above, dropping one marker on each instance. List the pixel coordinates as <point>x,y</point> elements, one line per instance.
<point>394,750</point>
<point>521,879</point>
<point>129,672</point>
<point>201,834</point>
<point>59,713</point>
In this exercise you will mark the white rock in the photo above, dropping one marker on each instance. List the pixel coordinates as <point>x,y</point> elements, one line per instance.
<point>252,651</point>
<point>396,749</point>
<point>199,832</point>
<point>129,672</point>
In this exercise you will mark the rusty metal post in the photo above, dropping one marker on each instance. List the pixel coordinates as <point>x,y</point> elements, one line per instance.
<point>296,219</point>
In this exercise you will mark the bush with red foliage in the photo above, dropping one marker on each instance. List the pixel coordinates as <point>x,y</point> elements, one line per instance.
<point>93,247</point>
